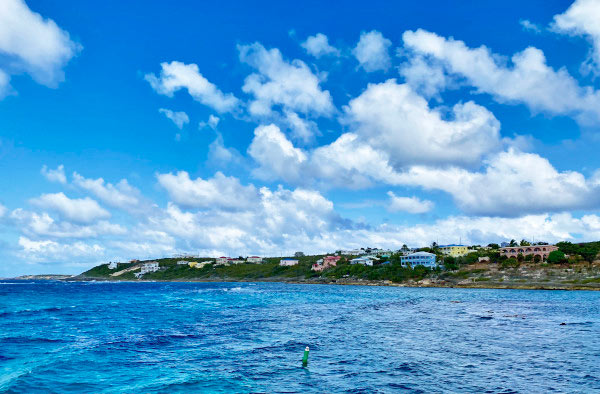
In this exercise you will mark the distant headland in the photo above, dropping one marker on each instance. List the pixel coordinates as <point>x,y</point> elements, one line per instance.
<point>517,265</point>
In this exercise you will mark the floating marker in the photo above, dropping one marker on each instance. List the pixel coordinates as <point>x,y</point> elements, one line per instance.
<point>305,358</point>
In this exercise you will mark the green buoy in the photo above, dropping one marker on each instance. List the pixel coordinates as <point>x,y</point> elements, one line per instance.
<point>305,358</point>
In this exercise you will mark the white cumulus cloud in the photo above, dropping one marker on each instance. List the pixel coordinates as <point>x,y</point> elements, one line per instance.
<point>318,46</point>
<point>528,80</point>
<point>79,210</point>
<point>57,175</point>
<point>408,204</point>
<point>32,44</point>
<point>175,76</point>
<point>220,192</point>
<point>372,51</point>
<point>180,118</point>
<point>581,19</point>
<point>291,85</point>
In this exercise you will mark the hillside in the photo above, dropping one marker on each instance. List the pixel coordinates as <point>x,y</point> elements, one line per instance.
<point>573,272</point>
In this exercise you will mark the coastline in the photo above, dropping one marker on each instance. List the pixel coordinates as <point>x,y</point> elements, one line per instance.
<point>426,283</point>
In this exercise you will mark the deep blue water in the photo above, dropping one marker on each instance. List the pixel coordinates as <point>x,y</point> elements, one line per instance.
<point>246,337</point>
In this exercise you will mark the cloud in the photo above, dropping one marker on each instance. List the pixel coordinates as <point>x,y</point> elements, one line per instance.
<point>57,175</point>
<point>220,155</point>
<point>392,118</point>
<point>371,51</point>
<point>424,76</point>
<point>302,129</point>
<point>179,118</point>
<point>581,19</point>
<point>47,250</point>
<point>530,26</point>
<point>37,225</point>
<point>79,210</point>
<point>176,75</point>
<point>512,184</point>
<point>318,46</point>
<point>408,204</point>
<point>277,156</point>
<point>33,45</point>
<point>122,195</point>
<point>291,85</point>
<point>219,192</point>
<point>529,80</point>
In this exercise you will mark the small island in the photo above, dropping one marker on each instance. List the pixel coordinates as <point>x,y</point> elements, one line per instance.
<point>564,266</point>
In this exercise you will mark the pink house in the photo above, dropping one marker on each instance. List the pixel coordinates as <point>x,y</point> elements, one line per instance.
<point>537,250</point>
<point>326,262</point>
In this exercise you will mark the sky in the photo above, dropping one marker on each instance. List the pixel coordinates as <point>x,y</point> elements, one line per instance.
<point>145,129</point>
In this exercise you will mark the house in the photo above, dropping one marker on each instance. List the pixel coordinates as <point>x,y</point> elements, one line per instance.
<point>536,250</point>
<point>235,261</point>
<point>326,262</point>
<point>454,250</point>
<point>192,264</point>
<point>482,259</point>
<point>182,262</point>
<point>254,259</point>
<point>331,260</point>
<point>152,266</point>
<point>112,265</point>
<point>288,262</point>
<point>221,260</point>
<point>419,258</point>
<point>353,252</point>
<point>362,260</point>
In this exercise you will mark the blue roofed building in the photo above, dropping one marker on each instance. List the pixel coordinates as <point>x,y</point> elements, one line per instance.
<point>419,258</point>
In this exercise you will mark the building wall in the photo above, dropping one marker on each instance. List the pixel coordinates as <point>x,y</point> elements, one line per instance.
<point>537,250</point>
<point>455,251</point>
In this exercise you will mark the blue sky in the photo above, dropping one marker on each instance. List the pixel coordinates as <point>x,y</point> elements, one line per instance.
<point>145,129</point>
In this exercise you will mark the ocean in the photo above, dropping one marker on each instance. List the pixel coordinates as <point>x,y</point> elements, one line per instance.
<point>93,337</point>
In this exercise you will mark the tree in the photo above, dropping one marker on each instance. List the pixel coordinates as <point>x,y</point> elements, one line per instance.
<point>513,243</point>
<point>520,257</point>
<point>589,253</point>
<point>537,258</point>
<point>556,257</point>
<point>434,245</point>
<point>493,246</point>
<point>404,248</point>
<point>524,243</point>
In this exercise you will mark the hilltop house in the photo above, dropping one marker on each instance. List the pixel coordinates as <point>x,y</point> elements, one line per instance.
<point>325,262</point>
<point>419,258</point>
<point>152,266</point>
<point>454,250</point>
<point>182,262</point>
<point>362,260</point>
<point>235,261</point>
<point>112,265</point>
<point>254,259</point>
<point>353,252</point>
<point>221,260</point>
<point>288,262</point>
<point>537,250</point>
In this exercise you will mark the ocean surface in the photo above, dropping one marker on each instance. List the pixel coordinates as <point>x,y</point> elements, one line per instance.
<point>250,337</point>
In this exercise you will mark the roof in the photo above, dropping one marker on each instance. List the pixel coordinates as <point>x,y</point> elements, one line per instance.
<point>289,259</point>
<point>424,254</point>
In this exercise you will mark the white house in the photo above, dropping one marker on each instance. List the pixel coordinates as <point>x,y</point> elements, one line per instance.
<point>112,265</point>
<point>419,258</point>
<point>221,260</point>
<point>234,261</point>
<point>254,259</point>
<point>362,260</point>
<point>353,252</point>
<point>149,267</point>
<point>287,262</point>
<point>182,262</point>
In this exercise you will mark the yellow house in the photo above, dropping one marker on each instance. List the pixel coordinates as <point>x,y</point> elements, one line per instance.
<point>454,250</point>
<point>192,264</point>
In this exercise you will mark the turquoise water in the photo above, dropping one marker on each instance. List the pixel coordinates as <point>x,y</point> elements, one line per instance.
<point>233,337</point>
